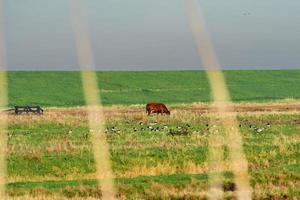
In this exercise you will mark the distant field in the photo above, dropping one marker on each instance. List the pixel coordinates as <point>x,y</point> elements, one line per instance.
<point>64,88</point>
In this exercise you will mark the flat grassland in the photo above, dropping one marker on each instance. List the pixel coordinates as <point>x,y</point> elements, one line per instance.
<point>156,157</point>
<point>64,89</point>
<point>153,157</point>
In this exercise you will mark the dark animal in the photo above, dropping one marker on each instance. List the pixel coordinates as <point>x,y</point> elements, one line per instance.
<point>158,108</point>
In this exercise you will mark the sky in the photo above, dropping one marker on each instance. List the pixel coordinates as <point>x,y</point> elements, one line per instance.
<point>153,34</point>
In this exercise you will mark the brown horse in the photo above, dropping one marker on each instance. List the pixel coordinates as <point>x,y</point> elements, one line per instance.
<point>157,108</point>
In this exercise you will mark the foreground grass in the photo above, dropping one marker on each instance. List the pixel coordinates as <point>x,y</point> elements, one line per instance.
<point>64,88</point>
<point>51,155</point>
<point>191,186</point>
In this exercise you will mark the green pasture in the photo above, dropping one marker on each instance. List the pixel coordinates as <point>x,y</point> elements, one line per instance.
<point>64,88</point>
<point>53,157</point>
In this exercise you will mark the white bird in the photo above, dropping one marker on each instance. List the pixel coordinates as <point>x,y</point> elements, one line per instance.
<point>259,130</point>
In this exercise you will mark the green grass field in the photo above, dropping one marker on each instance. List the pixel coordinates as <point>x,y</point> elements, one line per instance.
<point>64,88</point>
<point>51,155</point>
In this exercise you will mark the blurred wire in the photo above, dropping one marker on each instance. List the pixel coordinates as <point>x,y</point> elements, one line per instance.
<point>239,164</point>
<point>93,100</point>
<point>3,105</point>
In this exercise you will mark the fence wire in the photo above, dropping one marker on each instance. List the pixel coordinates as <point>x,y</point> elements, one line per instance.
<point>3,105</point>
<point>93,101</point>
<point>220,94</point>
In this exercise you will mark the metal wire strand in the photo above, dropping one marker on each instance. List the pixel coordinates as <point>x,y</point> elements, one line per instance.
<point>3,105</point>
<point>93,100</point>
<point>221,103</point>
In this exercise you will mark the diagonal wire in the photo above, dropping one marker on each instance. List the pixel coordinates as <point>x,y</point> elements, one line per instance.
<point>3,104</point>
<point>239,164</point>
<point>92,98</point>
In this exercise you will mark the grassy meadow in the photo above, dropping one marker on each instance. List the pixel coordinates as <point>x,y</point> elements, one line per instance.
<point>64,89</point>
<point>156,157</point>
<point>152,157</point>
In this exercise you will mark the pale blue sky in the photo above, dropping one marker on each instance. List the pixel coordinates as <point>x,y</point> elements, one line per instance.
<point>153,34</point>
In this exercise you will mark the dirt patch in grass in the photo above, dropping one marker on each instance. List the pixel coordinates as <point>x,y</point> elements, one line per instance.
<point>138,111</point>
